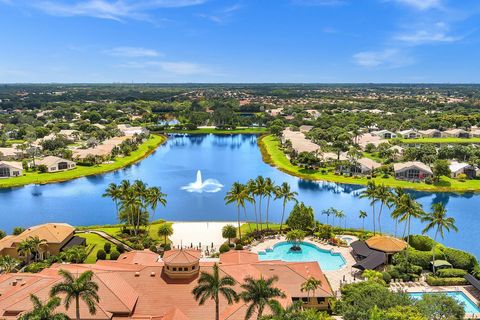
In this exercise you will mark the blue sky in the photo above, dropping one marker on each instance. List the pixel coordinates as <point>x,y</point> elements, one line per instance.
<point>240,41</point>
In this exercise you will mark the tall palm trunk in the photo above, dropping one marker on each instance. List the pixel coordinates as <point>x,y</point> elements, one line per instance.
<point>238,218</point>
<point>373,218</point>
<point>217,309</point>
<point>434,247</point>
<point>256,215</point>
<point>246,219</point>
<point>268,206</point>
<point>283,214</point>
<point>260,212</point>
<point>77,306</point>
<point>380,218</point>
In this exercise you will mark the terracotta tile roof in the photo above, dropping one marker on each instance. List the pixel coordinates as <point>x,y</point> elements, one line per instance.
<point>386,244</point>
<point>181,256</point>
<point>238,257</point>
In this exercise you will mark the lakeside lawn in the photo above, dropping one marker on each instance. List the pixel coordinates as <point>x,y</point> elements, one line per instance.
<point>94,243</point>
<point>143,151</point>
<point>116,230</point>
<point>247,226</point>
<point>273,155</point>
<point>217,131</point>
<point>441,140</point>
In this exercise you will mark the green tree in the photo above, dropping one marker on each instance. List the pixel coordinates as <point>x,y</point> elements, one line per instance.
<point>439,221</point>
<point>268,192</point>
<point>441,168</point>
<point>229,232</point>
<point>440,307</point>
<point>371,193</point>
<point>295,236</point>
<point>43,311</point>
<point>284,192</point>
<point>75,254</point>
<point>310,286</point>
<point>165,230</point>
<point>301,217</point>
<point>25,249</point>
<point>211,286</point>
<point>259,294</point>
<point>76,288</point>
<point>155,196</point>
<point>237,195</point>
<point>362,215</point>
<point>8,264</point>
<point>383,195</point>
<point>114,192</point>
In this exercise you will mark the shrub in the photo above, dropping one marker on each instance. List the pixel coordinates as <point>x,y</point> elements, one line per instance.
<point>18,230</point>
<point>451,273</point>
<point>239,247</point>
<point>224,248</point>
<point>114,255</point>
<point>153,248</point>
<point>42,168</point>
<point>167,247</point>
<point>421,242</point>
<point>101,254</point>
<point>324,231</point>
<point>120,248</point>
<point>435,281</point>
<point>428,180</point>
<point>107,246</point>
<point>37,266</point>
<point>301,217</point>
<point>418,258</point>
<point>386,277</point>
<point>138,246</point>
<point>460,259</point>
<point>462,177</point>
<point>2,234</point>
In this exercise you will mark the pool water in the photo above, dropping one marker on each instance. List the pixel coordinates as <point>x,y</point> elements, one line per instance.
<point>470,306</point>
<point>309,252</point>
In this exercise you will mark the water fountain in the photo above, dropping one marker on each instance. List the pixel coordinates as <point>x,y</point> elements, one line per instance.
<point>199,186</point>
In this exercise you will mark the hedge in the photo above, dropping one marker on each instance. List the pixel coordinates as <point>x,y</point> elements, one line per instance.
<point>435,281</point>
<point>421,242</point>
<point>451,273</point>
<point>460,259</point>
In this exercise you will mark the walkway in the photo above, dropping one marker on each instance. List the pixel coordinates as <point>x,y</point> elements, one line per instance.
<point>108,237</point>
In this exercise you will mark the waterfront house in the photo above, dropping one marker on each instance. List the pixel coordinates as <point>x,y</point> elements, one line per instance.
<point>10,169</point>
<point>55,164</point>
<point>409,134</point>
<point>361,166</point>
<point>430,133</point>
<point>412,170</point>
<point>299,142</point>
<point>458,168</point>
<point>456,133</point>
<point>139,286</point>
<point>102,150</point>
<point>11,153</point>
<point>129,131</point>
<point>57,236</point>
<point>385,134</point>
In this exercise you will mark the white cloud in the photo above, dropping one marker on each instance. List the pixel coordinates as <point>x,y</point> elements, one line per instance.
<point>421,4</point>
<point>221,16</point>
<point>177,68</point>
<point>132,52</point>
<point>425,36</point>
<point>389,58</point>
<point>109,9</point>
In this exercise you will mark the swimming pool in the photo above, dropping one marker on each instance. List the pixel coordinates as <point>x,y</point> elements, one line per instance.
<point>309,252</point>
<point>470,306</point>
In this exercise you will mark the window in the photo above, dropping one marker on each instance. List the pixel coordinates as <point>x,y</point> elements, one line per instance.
<point>193,268</point>
<point>174,269</point>
<point>185,269</point>
<point>62,165</point>
<point>4,172</point>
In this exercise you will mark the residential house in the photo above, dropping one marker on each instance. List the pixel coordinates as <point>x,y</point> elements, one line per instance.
<point>475,132</point>
<point>458,168</point>
<point>385,134</point>
<point>11,153</point>
<point>397,151</point>
<point>55,164</point>
<point>102,150</point>
<point>139,286</point>
<point>361,166</point>
<point>412,170</point>
<point>299,142</point>
<point>129,131</point>
<point>430,133</point>
<point>10,169</point>
<point>456,133</point>
<point>409,134</point>
<point>57,236</point>
<point>305,128</point>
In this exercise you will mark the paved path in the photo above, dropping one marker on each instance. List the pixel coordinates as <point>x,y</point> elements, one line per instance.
<point>108,237</point>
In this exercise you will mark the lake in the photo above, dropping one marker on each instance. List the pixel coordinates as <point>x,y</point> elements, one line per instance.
<point>225,158</point>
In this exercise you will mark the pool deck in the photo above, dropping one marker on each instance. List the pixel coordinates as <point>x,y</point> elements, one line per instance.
<point>336,277</point>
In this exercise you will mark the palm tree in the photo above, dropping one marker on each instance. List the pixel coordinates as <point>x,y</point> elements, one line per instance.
<point>406,209</point>
<point>328,212</point>
<point>211,286</point>
<point>8,264</point>
<point>155,197</point>
<point>25,249</point>
<point>251,189</point>
<point>237,195</point>
<point>396,196</point>
<point>268,191</point>
<point>439,221</point>
<point>82,287</point>
<point>114,192</point>
<point>340,215</point>
<point>310,285</point>
<point>44,311</point>
<point>260,192</point>
<point>371,194</point>
<point>259,294</point>
<point>37,245</point>
<point>383,195</point>
<point>362,215</point>
<point>283,192</point>
<point>142,192</point>
<point>165,230</point>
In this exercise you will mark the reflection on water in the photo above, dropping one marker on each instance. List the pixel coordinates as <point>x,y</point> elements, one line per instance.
<point>227,158</point>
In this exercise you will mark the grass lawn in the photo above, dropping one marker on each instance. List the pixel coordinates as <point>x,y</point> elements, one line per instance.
<point>143,150</point>
<point>374,156</point>
<point>10,142</point>
<point>441,140</point>
<point>115,230</point>
<point>272,154</point>
<point>216,131</point>
<point>94,243</point>
<point>245,228</point>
